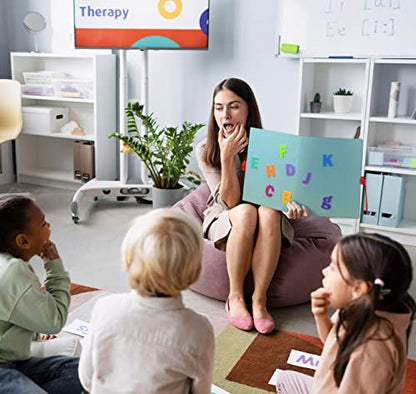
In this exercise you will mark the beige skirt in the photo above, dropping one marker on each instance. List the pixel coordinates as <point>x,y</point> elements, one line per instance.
<point>217,226</point>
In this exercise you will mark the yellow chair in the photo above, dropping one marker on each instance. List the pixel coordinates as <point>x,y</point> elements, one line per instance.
<point>10,110</point>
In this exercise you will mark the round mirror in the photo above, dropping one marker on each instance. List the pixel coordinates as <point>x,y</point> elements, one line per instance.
<point>34,22</point>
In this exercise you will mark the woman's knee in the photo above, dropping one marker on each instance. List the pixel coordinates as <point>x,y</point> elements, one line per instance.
<point>269,218</point>
<point>244,215</point>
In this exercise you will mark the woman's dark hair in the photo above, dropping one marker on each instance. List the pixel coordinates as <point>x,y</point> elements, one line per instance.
<point>369,257</point>
<point>211,155</point>
<point>13,219</point>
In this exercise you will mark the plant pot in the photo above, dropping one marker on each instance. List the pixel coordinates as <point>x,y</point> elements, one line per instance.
<point>342,104</point>
<point>166,197</point>
<point>315,107</point>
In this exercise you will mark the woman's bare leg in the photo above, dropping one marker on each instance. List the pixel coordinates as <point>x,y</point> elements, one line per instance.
<point>265,257</point>
<point>239,253</point>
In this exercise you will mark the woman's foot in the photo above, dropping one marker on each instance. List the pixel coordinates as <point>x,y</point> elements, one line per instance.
<point>239,317</point>
<point>262,319</point>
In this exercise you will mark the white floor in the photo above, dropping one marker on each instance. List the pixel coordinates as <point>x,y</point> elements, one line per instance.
<point>91,251</point>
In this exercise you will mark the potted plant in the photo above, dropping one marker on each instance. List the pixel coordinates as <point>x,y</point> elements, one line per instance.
<point>165,151</point>
<point>342,101</point>
<point>316,104</point>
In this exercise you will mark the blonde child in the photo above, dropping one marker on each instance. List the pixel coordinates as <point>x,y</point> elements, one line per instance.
<point>26,309</point>
<point>366,340</point>
<point>146,341</point>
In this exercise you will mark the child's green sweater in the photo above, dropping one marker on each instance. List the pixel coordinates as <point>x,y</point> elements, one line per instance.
<point>26,309</point>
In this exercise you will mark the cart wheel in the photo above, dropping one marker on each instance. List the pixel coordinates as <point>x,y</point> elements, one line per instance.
<point>121,198</point>
<point>75,219</point>
<point>141,200</point>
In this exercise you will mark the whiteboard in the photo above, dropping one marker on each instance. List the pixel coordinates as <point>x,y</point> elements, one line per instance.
<point>360,28</point>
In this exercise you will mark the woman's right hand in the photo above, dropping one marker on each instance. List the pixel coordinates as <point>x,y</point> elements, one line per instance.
<point>232,145</point>
<point>320,302</point>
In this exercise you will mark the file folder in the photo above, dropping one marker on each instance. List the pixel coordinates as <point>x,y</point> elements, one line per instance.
<point>374,185</point>
<point>392,198</point>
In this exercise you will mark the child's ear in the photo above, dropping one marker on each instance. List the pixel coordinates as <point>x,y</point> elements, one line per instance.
<point>360,288</point>
<point>22,241</point>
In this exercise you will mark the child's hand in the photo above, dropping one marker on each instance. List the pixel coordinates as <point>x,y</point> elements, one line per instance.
<point>49,252</point>
<point>45,337</point>
<point>320,302</point>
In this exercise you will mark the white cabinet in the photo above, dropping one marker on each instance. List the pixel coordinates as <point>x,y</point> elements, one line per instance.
<point>370,81</point>
<point>401,129</point>
<point>46,158</point>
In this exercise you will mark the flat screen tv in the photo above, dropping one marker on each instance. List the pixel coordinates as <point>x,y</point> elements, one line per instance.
<point>141,24</point>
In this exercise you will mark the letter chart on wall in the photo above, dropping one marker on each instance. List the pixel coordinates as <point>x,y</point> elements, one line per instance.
<point>321,173</point>
<point>141,24</point>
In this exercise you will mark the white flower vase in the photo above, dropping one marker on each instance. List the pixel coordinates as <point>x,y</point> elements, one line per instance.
<point>166,197</point>
<point>342,104</point>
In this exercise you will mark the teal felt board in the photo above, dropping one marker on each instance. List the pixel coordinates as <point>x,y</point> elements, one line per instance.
<point>320,173</point>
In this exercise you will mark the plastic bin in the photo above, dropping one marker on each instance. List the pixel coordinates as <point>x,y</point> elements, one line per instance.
<point>42,77</point>
<point>38,90</point>
<point>400,156</point>
<point>75,88</point>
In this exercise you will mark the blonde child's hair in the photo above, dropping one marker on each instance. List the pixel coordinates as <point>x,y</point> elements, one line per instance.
<point>162,252</point>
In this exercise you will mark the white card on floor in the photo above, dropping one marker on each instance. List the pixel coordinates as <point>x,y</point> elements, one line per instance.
<point>77,327</point>
<point>217,390</point>
<point>303,359</point>
<point>273,379</point>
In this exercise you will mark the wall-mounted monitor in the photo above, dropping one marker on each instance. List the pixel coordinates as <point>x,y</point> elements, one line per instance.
<point>141,24</point>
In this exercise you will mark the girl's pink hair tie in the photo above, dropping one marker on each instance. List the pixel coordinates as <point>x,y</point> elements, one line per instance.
<point>379,282</point>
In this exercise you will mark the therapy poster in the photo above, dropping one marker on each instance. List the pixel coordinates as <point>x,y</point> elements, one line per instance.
<point>320,173</point>
<point>154,24</point>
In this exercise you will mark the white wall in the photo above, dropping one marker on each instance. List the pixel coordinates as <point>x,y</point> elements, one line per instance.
<point>241,44</point>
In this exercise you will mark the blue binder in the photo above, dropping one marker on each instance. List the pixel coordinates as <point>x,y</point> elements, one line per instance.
<point>392,198</point>
<point>374,185</point>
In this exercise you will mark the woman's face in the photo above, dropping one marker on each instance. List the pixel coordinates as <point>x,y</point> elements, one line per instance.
<point>230,110</point>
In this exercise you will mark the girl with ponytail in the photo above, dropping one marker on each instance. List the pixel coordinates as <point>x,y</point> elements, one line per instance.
<point>366,339</point>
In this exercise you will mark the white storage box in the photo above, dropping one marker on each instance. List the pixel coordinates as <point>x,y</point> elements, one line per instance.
<point>74,88</point>
<point>44,119</point>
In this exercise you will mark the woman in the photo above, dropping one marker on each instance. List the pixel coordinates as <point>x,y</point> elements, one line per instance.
<point>251,235</point>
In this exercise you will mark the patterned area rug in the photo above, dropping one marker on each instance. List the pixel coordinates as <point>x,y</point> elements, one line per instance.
<point>245,361</point>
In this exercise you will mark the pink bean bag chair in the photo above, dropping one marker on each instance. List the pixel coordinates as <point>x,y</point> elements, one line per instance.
<point>300,265</point>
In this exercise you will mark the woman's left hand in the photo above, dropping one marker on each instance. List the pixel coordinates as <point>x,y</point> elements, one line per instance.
<point>294,211</point>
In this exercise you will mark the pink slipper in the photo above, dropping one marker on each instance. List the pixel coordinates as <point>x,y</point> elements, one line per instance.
<point>264,326</point>
<point>243,323</point>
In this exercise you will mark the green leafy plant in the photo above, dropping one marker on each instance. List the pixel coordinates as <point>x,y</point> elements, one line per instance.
<point>343,92</point>
<point>165,151</point>
<point>317,98</point>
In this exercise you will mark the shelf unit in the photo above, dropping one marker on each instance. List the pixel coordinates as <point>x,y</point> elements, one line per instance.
<point>370,80</point>
<point>326,76</point>
<point>46,158</point>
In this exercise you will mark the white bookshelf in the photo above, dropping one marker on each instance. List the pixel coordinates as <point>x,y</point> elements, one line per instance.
<point>46,158</point>
<point>370,80</point>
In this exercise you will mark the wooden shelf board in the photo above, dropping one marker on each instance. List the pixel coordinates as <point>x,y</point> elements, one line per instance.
<point>87,137</point>
<point>51,174</point>
<point>56,98</point>
<point>391,170</point>
<point>332,115</point>
<point>398,120</point>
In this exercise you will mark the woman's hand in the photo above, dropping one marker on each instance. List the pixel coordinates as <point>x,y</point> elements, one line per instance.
<point>233,144</point>
<point>49,252</point>
<point>294,211</point>
<point>320,302</point>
